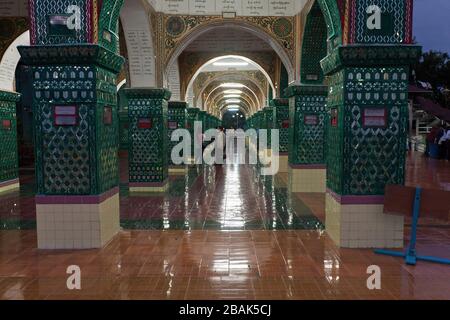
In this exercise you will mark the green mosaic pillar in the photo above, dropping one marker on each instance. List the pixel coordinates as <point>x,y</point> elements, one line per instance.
<point>9,158</point>
<point>192,117</point>
<point>123,121</point>
<point>281,123</point>
<point>267,123</point>
<point>202,118</point>
<point>177,118</point>
<point>368,127</point>
<point>259,124</point>
<point>74,68</point>
<point>307,112</point>
<point>124,124</point>
<point>148,147</point>
<point>210,122</point>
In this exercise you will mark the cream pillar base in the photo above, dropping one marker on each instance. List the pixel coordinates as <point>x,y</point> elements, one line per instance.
<point>353,224</point>
<point>283,160</point>
<point>178,170</point>
<point>149,187</point>
<point>307,178</point>
<point>77,222</point>
<point>11,185</point>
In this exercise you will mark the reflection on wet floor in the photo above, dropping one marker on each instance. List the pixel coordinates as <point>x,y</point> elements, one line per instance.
<point>218,198</point>
<point>229,197</point>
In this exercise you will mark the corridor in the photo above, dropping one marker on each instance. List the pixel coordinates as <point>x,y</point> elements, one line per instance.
<point>227,198</point>
<point>106,105</point>
<point>207,238</point>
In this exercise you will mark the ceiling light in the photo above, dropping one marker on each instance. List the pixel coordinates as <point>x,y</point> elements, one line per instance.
<point>232,91</point>
<point>233,107</point>
<point>230,64</point>
<point>233,101</point>
<point>228,96</point>
<point>232,85</point>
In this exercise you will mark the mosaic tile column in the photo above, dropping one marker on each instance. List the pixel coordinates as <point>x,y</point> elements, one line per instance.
<point>307,112</point>
<point>368,102</point>
<point>9,158</point>
<point>75,119</point>
<point>148,146</point>
<point>123,121</point>
<point>281,123</point>
<point>366,143</point>
<point>123,130</point>
<point>202,116</point>
<point>176,120</point>
<point>74,63</point>
<point>192,115</point>
<point>267,123</point>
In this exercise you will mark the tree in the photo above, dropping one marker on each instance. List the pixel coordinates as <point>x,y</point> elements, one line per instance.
<point>434,67</point>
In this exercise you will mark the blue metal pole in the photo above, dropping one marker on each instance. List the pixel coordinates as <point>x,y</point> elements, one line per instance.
<point>411,257</point>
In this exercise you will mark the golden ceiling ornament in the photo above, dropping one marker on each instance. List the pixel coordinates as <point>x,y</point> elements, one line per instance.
<point>178,27</point>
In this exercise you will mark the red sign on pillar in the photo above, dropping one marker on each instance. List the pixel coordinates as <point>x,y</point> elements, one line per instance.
<point>375,118</point>
<point>107,116</point>
<point>311,120</point>
<point>6,124</point>
<point>145,123</point>
<point>334,117</point>
<point>65,115</point>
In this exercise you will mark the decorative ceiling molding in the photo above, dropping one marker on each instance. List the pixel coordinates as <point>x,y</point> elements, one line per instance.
<point>205,78</point>
<point>191,62</point>
<point>181,30</point>
<point>213,89</point>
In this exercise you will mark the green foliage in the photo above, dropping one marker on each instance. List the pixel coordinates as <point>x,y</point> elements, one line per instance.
<point>434,67</point>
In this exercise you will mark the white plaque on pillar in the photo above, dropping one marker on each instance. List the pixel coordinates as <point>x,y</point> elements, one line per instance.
<point>176,6</point>
<point>10,60</point>
<point>281,7</point>
<point>174,82</point>
<point>202,7</point>
<point>217,7</point>
<point>141,58</point>
<point>255,7</point>
<point>229,6</point>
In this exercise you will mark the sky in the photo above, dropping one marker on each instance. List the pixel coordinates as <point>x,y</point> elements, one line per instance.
<point>432,24</point>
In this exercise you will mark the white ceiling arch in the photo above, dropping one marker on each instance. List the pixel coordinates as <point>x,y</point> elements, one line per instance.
<point>220,87</point>
<point>206,65</point>
<point>234,77</point>
<point>254,104</point>
<point>240,25</point>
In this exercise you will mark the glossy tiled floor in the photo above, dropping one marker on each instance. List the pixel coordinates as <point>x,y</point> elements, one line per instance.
<point>218,265</point>
<point>231,235</point>
<point>207,198</point>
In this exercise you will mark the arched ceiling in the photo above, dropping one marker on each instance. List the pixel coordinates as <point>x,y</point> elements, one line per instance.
<point>252,96</point>
<point>209,88</point>
<point>223,41</point>
<point>207,81</point>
